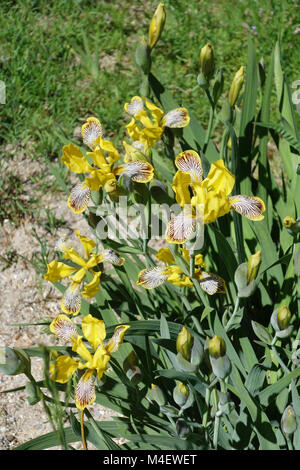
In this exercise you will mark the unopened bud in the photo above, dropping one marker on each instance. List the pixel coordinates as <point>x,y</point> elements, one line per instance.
<point>216,347</point>
<point>184,343</point>
<point>180,394</point>
<point>283,317</point>
<point>288,421</point>
<point>207,62</point>
<point>292,225</point>
<point>253,266</point>
<point>158,395</point>
<point>157,25</point>
<point>236,86</point>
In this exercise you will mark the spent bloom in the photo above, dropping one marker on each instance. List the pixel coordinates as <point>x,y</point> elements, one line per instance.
<point>57,270</point>
<point>92,363</point>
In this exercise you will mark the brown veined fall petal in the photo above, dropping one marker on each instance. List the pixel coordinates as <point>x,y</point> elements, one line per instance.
<point>85,393</point>
<point>90,132</point>
<point>116,340</point>
<point>176,118</point>
<point>113,257</point>
<point>190,162</point>
<point>180,228</point>
<point>211,283</point>
<point>141,172</point>
<point>152,277</point>
<point>63,328</point>
<point>71,301</point>
<point>79,198</point>
<point>248,206</point>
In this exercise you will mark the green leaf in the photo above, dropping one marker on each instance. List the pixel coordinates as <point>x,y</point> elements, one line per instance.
<point>261,332</point>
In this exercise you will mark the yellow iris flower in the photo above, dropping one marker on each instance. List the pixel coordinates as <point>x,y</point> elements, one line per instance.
<point>152,127</point>
<point>92,363</point>
<point>102,171</point>
<point>209,199</point>
<point>57,270</point>
<point>150,278</point>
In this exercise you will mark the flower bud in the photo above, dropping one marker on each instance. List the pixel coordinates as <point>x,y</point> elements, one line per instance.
<point>158,395</point>
<point>142,56</point>
<point>184,343</point>
<point>202,82</point>
<point>288,421</point>
<point>253,266</point>
<point>236,86</point>
<point>180,394</point>
<point>292,225</point>
<point>13,361</point>
<point>283,317</point>
<point>216,347</point>
<point>280,320</point>
<point>157,25</point>
<point>207,62</point>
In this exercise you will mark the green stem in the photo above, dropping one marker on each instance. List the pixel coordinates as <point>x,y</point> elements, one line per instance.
<point>236,307</point>
<point>216,432</point>
<point>279,360</point>
<point>207,402</point>
<point>211,120</point>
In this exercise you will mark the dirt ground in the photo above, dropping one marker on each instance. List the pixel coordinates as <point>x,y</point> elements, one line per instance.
<point>27,298</point>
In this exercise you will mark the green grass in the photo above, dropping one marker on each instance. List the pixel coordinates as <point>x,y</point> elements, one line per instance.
<point>64,60</point>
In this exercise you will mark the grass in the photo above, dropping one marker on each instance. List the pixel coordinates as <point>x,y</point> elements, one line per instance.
<point>64,60</point>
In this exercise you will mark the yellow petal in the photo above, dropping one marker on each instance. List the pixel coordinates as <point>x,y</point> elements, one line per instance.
<point>219,178</point>
<point>85,393</point>
<point>190,162</point>
<point>71,301</point>
<point>94,330</point>
<point>178,278</point>
<point>155,111</point>
<point>79,276</point>
<point>91,289</point>
<point>248,206</point>
<point>73,158</point>
<point>109,147</point>
<point>91,131</point>
<point>93,260</point>
<point>58,270</point>
<point>87,243</point>
<point>164,254</point>
<point>79,198</point>
<point>71,254</point>
<point>63,328</point>
<point>116,340</point>
<point>152,277</point>
<point>100,360</point>
<point>63,369</point>
<point>180,186</point>
<point>98,179</point>
<point>80,348</point>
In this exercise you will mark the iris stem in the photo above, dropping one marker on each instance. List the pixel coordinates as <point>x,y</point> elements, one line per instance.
<point>279,360</point>
<point>211,120</point>
<point>207,400</point>
<point>82,430</point>
<point>236,307</point>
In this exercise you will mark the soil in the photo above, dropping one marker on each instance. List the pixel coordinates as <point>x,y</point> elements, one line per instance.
<point>28,298</point>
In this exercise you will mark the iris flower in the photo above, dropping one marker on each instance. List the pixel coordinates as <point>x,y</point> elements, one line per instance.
<point>209,198</point>
<point>92,364</point>
<point>169,271</point>
<point>152,127</point>
<point>102,171</point>
<point>57,270</point>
